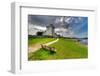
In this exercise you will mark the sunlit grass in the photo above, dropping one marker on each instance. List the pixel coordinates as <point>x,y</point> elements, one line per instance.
<point>40,40</point>
<point>66,49</point>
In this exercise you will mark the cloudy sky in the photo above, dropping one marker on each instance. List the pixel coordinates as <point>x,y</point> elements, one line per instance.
<point>73,26</point>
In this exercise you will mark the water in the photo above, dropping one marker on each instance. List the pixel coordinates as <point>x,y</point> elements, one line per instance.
<point>84,41</point>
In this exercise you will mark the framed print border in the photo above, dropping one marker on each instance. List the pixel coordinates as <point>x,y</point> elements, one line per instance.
<point>16,31</point>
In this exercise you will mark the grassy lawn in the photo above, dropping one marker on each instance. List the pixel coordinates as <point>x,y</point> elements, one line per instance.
<point>66,49</point>
<point>40,40</point>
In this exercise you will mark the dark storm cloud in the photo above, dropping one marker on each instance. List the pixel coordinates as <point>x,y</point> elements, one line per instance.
<point>46,20</point>
<point>38,19</point>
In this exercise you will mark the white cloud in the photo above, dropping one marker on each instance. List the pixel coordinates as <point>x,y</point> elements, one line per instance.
<point>33,29</point>
<point>64,32</point>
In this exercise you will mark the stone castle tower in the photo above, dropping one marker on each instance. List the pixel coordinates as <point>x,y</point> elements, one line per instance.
<point>50,30</point>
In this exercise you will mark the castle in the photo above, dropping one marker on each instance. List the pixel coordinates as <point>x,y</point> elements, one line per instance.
<point>50,31</point>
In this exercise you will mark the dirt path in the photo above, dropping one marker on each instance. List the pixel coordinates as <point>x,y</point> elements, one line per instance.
<point>38,46</point>
<point>47,44</point>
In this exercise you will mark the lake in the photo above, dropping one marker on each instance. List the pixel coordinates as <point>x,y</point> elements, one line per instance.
<point>84,41</point>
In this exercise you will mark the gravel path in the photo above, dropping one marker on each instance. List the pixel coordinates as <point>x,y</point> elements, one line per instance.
<point>38,46</point>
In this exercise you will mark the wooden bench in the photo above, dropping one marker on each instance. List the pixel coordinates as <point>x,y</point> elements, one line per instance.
<point>52,49</point>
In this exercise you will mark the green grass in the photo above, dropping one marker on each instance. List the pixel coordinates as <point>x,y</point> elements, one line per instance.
<point>66,49</point>
<point>40,40</point>
<point>39,55</point>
